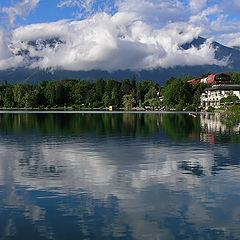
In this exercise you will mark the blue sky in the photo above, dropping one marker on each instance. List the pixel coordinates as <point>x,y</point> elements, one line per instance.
<point>115,34</point>
<point>50,11</point>
<point>45,11</point>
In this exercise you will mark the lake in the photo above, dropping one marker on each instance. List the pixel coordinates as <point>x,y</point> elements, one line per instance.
<point>119,176</point>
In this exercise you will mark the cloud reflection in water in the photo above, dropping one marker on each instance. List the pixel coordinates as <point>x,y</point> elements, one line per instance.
<point>141,187</point>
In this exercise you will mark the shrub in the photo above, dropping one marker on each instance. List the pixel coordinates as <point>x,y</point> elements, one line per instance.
<point>190,108</point>
<point>210,109</point>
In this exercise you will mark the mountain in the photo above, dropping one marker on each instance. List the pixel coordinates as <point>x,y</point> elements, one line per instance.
<point>32,76</point>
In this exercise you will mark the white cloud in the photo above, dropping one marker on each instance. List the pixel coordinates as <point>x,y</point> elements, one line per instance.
<point>156,13</point>
<point>3,46</point>
<point>235,42</point>
<point>106,42</point>
<point>7,60</point>
<point>143,34</point>
<point>222,29</point>
<point>87,7</point>
<point>85,168</point>
<point>21,9</point>
<point>197,5</point>
<point>203,17</point>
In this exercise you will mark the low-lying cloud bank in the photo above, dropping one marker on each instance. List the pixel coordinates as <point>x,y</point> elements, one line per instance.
<point>105,42</point>
<point>135,40</point>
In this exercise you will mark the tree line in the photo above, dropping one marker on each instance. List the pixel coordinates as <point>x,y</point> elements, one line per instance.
<point>82,94</point>
<point>79,94</point>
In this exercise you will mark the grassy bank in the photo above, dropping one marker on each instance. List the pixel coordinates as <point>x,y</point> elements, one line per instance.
<point>232,115</point>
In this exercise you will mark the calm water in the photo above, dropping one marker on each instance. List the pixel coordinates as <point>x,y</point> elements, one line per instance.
<point>119,176</point>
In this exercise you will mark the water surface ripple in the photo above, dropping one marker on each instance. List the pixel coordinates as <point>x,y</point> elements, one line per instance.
<point>118,176</point>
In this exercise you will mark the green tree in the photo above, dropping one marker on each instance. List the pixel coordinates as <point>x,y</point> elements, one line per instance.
<point>115,98</point>
<point>128,101</point>
<point>2,93</point>
<point>177,93</point>
<point>50,94</point>
<point>170,80</point>
<point>91,98</point>
<point>154,102</point>
<point>106,100</point>
<point>139,94</point>
<point>142,89</point>
<point>110,84</point>
<point>112,93</point>
<point>235,77</point>
<point>206,74</point>
<point>152,93</point>
<point>126,87</point>
<point>231,99</point>
<point>188,77</point>
<point>8,97</point>
<point>134,84</point>
<point>151,97</point>
<point>100,88</point>
<point>60,94</point>
<point>21,92</point>
<point>30,100</point>
<point>81,91</point>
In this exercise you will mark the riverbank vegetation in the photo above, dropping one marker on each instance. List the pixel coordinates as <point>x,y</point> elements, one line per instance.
<point>231,116</point>
<point>82,94</point>
<point>127,94</point>
<point>77,94</point>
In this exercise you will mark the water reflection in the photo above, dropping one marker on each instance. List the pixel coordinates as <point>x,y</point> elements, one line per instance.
<point>133,176</point>
<point>217,128</point>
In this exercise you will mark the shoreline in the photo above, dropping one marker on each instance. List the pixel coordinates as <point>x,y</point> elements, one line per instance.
<point>95,111</point>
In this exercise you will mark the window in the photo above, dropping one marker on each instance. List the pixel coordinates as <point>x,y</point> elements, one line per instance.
<point>222,78</point>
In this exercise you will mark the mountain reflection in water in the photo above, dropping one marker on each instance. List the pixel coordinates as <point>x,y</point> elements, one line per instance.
<point>118,176</point>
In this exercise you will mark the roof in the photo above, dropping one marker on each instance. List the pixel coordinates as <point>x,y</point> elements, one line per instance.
<point>221,74</point>
<point>209,79</point>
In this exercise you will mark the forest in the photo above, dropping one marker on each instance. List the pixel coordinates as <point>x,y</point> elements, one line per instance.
<point>127,94</point>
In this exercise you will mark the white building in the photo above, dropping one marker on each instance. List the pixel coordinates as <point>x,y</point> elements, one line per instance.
<point>213,95</point>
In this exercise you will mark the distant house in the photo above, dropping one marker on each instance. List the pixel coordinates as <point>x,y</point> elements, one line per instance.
<point>214,79</point>
<point>212,96</point>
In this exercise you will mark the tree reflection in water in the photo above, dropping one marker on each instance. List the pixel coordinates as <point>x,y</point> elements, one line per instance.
<point>118,176</point>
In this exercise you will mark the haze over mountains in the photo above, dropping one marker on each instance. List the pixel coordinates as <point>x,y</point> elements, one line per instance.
<point>34,75</point>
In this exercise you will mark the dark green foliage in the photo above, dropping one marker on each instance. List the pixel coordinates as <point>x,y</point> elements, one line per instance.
<point>188,77</point>
<point>234,109</point>
<point>235,77</point>
<point>210,109</point>
<point>206,74</point>
<point>81,94</point>
<point>8,97</point>
<point>100,88</point>
<point>128,101</point>
<point>231,99</point>
<point>177,94</point>
<point>142,89</point>
<point>151,97</point>
<point>126,87</point>
<point>134,84</point>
